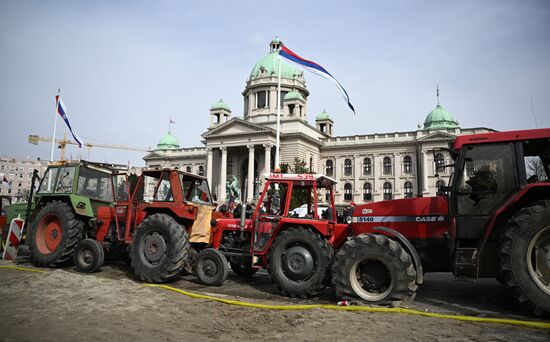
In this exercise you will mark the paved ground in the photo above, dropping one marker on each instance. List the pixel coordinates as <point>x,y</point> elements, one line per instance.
<point>64,305</point>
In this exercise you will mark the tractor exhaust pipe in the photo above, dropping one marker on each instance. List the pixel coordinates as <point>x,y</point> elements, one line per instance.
<point>243,206</point>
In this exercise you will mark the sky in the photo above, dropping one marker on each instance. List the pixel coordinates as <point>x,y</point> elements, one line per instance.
<point>126,67</point>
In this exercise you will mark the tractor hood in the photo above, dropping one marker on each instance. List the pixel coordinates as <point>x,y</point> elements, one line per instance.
<point>414,217</point>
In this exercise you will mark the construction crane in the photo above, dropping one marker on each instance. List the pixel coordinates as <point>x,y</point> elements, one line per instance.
<point>62,143</point>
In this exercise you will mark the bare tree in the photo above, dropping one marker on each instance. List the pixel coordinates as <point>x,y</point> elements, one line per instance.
<point>535,167</point>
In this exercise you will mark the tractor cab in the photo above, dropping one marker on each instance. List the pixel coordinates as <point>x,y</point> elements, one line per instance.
<point>493,173</point>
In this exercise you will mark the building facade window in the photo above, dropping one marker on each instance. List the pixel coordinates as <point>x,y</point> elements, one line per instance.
<point>188,169</point>
<point>367,192</point>
<point>440,184</point>
<point>329,168</point>
<point>367,166</point>
<point>387,165</point>
<point>261,99</point>
<point>408,190</point>
<point>387,191</point>
<point>348,168</point>
<point>347,192</point>
<point>439,163</point>
<point>201,170</point>
<point>407,164</point>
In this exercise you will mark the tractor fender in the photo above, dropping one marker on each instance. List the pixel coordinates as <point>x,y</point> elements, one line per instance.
<point>410,248</point>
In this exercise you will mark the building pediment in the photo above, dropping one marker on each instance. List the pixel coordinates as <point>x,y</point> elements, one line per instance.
<point>235,127</point>
<point>438,135</point>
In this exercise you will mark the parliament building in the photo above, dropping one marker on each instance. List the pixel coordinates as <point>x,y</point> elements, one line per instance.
<point>369,167</point>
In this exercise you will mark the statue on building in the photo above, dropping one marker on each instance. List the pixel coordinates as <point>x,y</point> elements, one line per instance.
<point>232,190</point>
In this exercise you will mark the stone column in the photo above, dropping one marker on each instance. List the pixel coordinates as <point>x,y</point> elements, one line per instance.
<point>223,176</point>
<point>356,173</point>
<point>425,170</point>
<point>397,172</point>
<point>267,159</point>
<point>374,171</point>
<point>209,166</point>
<point>250,192</point>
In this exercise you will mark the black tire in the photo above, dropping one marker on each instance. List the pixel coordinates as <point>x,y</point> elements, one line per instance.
<point>211,267</point>
<point>47,247</point>
<point>242,266</point>
<point>88,256</point>
<point>299,262</point>
<point>159,249</point>
<point>524,253</point>
<point>374,269</point>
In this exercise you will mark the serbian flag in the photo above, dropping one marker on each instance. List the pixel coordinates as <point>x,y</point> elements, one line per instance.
<point>315,68</point>
<point>62,111</point>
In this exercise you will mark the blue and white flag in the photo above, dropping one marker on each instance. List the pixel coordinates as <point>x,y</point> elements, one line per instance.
<point>315,68</point>
<point>62,111</point>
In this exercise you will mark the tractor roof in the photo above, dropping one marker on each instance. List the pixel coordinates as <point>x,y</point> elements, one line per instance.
<point>156,172</point>
<point>97,165</point>
<point>300,177</point>
<point>486,138</point>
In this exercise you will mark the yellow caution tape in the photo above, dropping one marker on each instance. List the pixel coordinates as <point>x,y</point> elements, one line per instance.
<point>530,324</point>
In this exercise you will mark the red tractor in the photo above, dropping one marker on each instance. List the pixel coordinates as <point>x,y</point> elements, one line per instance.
<point>150,223</point>
<point>494,222</point>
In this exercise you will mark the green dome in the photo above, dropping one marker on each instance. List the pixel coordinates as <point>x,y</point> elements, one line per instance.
<point>323,116</point>
<point>168,142</point>
<point>270,64</point>
<point>440,118</point>
<point>293,95</point>
<point>220,105</point>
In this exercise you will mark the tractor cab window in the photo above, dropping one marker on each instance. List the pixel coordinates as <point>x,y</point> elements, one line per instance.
<point>121,187</point>
<point>537,160</point>
<point>48,181</point>
<point>487,176</point>
<point>163,191</point>
<point>301,202</point>
<point>65,180</point>
<point>95,184</point>
<point>196,190</point>
<point>275,199</point>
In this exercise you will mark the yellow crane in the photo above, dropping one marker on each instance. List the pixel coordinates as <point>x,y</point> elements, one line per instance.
<point>62,143</point>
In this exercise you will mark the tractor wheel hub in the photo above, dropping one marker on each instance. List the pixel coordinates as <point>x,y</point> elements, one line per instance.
<point>298,263</point>
<point>154,247</point>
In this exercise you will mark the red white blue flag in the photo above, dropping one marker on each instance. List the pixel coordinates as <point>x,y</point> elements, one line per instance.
<point>315,68</point>
<point>62,111</point>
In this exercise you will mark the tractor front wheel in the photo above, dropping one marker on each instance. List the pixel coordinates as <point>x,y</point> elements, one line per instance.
<point>299,262</point>
<point>54,235</point>
<point>159,249</point>
<point>211,267</point>
<point>375,269</point>
<point>89,256</point>
<point>525,257</point>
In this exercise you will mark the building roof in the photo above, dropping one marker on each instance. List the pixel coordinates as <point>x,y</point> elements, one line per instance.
<point>168,142</point>
<point>323,116</point>
<point>440,118</point>
<point>220,105</point>
<point>269,63</point>
<point>293,95</point>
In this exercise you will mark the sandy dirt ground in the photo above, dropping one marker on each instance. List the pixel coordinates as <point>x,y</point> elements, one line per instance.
<point>62,305</point>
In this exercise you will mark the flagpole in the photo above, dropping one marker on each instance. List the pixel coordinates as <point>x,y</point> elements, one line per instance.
<point>277,149</point>
<point>53,136</point>
<point>55,123</point>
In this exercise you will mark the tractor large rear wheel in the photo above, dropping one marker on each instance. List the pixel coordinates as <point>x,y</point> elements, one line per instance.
<point>525,257</point>
<point>54,235</point>
<point>159,249</point>
<point>375,269</point>
<point>299,262</point>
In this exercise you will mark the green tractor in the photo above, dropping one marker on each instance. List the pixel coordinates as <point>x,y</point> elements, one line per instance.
<point>68,197</point>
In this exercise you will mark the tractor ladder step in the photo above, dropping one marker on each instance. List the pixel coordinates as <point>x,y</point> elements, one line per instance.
<point>466,264</point>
